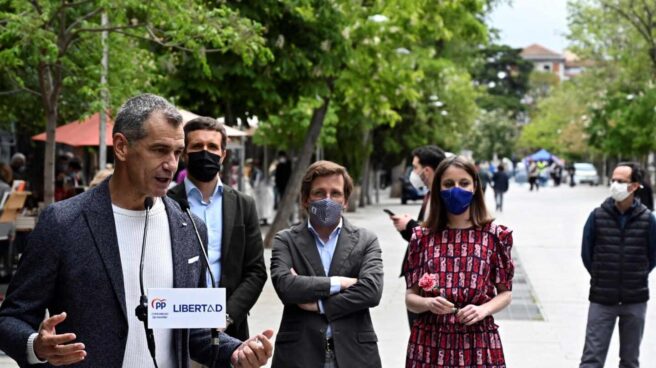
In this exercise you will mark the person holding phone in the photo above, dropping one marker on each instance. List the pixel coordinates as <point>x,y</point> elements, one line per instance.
<point>424,162</point>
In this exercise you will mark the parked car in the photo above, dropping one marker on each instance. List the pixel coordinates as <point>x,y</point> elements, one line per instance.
<point>409,192</point>
<point>585,173</point>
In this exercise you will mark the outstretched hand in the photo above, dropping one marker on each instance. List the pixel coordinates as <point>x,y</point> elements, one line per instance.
<point>57,349</point>
<point>401,221</point>
<point>254,352</point>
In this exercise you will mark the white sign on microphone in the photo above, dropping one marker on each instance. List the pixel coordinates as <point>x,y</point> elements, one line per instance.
<point>187,308</point>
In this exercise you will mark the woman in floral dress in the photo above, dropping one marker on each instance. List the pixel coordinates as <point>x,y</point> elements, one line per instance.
<point>459,273</point>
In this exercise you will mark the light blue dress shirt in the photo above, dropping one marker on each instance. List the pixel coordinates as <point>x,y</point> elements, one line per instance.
<point>326,252</point>
<point>212,214</point>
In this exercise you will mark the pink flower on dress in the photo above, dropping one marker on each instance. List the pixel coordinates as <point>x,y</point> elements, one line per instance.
<point>428,282</point>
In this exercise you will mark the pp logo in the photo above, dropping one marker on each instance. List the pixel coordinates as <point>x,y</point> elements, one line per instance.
<point>158,303</point>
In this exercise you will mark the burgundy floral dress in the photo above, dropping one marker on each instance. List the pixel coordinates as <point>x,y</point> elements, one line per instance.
<point>468,264</point>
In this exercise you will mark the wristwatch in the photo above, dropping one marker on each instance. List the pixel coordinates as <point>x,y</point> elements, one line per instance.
<point>229,320</point>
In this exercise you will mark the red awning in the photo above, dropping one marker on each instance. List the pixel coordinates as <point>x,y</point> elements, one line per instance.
<point>81,133</point>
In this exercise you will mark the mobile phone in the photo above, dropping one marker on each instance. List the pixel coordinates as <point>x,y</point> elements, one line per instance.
<point>388,212</point>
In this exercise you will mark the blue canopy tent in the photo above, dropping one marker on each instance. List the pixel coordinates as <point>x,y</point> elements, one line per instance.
<point>544,160</point>
<point>541,155</point>
<point>544,156</point>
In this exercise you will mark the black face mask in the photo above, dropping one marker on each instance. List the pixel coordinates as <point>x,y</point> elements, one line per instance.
<point>203,165</point>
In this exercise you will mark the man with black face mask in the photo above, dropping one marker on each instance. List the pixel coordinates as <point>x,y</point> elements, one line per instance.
<point>327,273</point>
<point>234,238</point>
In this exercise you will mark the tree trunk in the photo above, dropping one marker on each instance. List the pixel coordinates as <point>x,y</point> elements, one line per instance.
<point>652,57</point>
<point>364,192</point>
<point>50,100</point>
<point>229,118</point>
<point>352,204</point>
<point>288,201</point>
<point>396,187</point>
<point>49,163</point>
<point>370,173</point>
<point>102,144</point>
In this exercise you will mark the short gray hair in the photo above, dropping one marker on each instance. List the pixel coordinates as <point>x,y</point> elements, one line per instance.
<point>135,111</point>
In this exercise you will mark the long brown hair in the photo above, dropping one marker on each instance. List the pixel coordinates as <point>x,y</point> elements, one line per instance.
<point>437,217</point>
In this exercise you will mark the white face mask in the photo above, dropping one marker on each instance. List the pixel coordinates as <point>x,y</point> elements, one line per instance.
<point>416,181</point>
<point>619,191</point>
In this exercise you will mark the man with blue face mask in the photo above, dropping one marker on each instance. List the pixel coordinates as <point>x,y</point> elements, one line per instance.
<point>327,273</point>
<point>619,251</point>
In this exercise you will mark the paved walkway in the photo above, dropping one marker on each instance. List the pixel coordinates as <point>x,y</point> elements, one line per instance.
<point>547,231</point>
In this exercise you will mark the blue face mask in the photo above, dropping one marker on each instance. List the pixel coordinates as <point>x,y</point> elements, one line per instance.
<point>325,212</point>
<point>456,200</point>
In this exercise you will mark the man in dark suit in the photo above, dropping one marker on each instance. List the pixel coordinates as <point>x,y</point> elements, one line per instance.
<point>327,273</point>
<point>235,241</point>
<point>82,258</point>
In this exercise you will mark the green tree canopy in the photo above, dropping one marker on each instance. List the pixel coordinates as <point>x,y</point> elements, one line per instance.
<point>495,132</point>
<point>51,52</point>
<point>504,74</point>
<point>559,121</point>
<point>619,36</point>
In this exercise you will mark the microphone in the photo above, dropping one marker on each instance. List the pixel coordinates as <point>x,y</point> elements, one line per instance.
<point>142,309</point>
<point>184,205</point>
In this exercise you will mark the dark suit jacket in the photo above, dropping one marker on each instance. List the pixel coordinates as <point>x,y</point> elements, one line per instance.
<point>301,337</point>
<point>243,272</point>
<point>407,232</point>
<point>500,182</point>
<point>72,263</point>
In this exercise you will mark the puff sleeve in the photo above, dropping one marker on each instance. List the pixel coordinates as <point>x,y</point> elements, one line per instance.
<point>503,267</point>
<point>415,265</point>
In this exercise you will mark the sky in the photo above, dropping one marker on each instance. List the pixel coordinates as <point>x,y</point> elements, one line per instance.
<point>532,21</point>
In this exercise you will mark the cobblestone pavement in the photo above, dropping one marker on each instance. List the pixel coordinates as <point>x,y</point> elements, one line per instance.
<point>545,325</point>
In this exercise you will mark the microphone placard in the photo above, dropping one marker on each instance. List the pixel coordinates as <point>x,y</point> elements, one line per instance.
<point>187,308</point>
